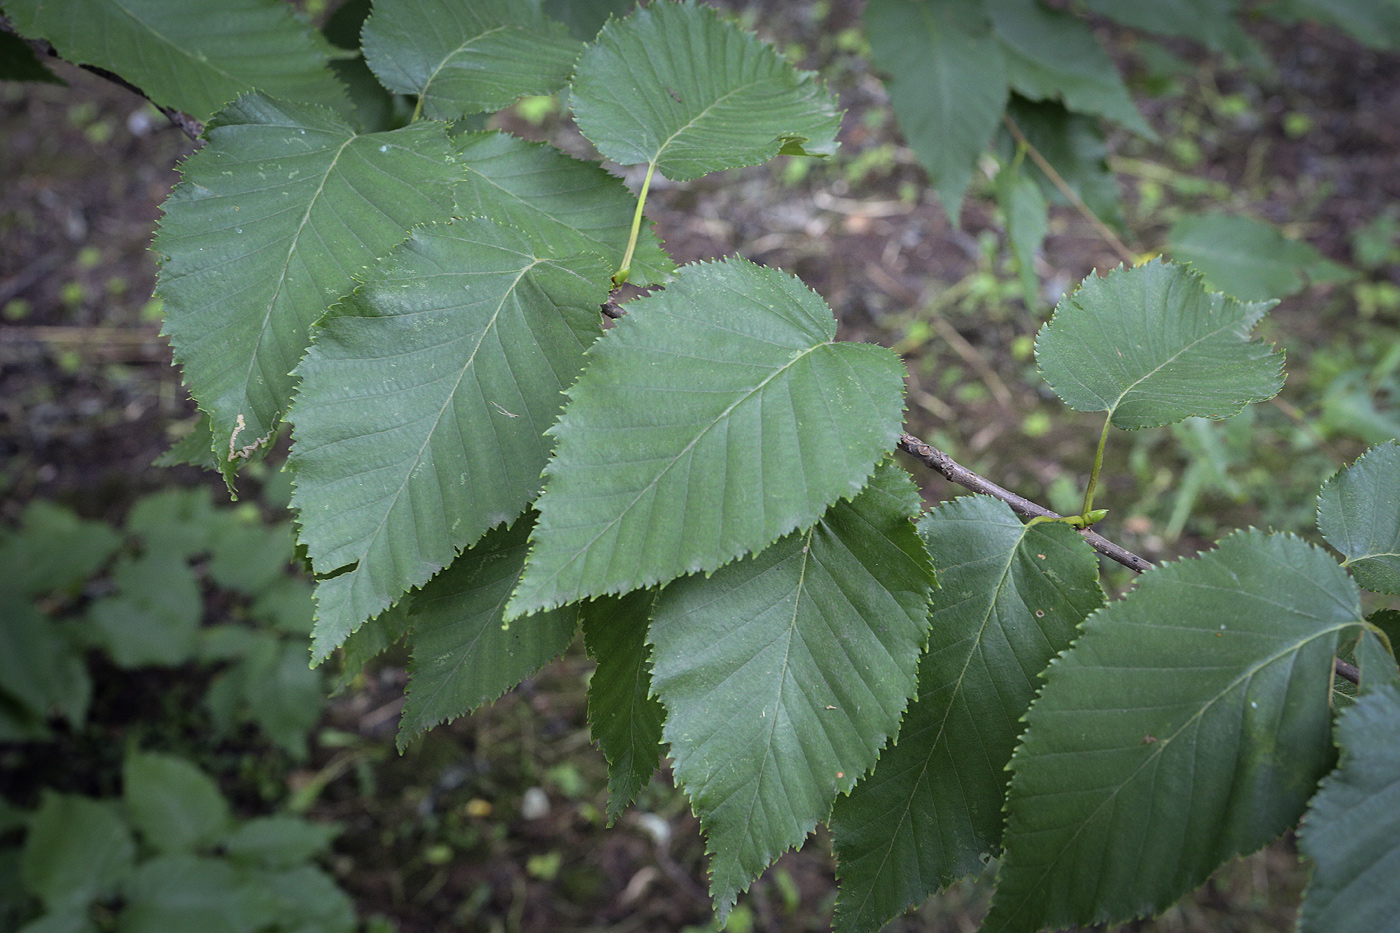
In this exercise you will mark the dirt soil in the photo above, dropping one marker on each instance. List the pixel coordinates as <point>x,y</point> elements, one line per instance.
<point>443,838</point>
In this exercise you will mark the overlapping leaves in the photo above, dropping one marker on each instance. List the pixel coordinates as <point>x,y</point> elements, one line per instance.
<point>715,418</point>
<point>785,673</point>
<point>1150,346</point>
<point>675,86</point>
<point>194,57</point>
<point>1009,599</point>
<point>270,224</point>
<point>461,58</point>
<point>420,420</point>
<point>1189,724</point>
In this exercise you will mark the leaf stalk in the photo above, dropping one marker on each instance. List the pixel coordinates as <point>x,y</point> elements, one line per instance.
<point>620,276</point>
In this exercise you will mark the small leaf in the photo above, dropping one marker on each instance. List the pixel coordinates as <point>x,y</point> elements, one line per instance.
<point>188,892</point>
<point>1358,512</point>
<point>948,84</point>
<point>267,229</point>
<point>173,804</point>
<point>41,671</point>
<point>731,418</point>
<point>1189,724</point>
<point>1050,54</point>
<point>53,549</point>
<point>195,57</point>
<point>1375,24</point>
<point>280,841</point>
<point>624,718</point>
<point>1010,598</point>
<point>153,618</point>
<point>585,17</point>
<point>1240,256</point>
<point>1076,149</point>
<point>1027,218</point>
<point>420,419</point>
<point>1151,346</point>
<point>1352,830</point>
<point>464,654</point>
<point>676,85</point>
<point>77,851</point>
<point>784,674</point>
<point>564,205</point>
<point>466,58</point>
<point>281,694</point>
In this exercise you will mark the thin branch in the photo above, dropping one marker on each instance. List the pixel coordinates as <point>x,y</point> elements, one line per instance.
<point>1058,180</point>
<point>937,460</point>
<point>183,121</point>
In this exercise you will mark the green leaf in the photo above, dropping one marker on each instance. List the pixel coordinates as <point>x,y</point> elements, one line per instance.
<point>40,670</point>
<point>1075,147</point>
<point>948,84</point>
<point>420,419</point>
<point>1358,512</point>
<point>175,522</point>
<point>1375,660</point>
<point>153,618</point>
<point>187,892</point>
<point>53,549</point>
<point>19,63</point>
<point>1352,830</point>
<point>173,804</point>
<point>1151,346</point>
<point>585,17</point>
<point>307,899</point>
<point>564,205</point>
<point>249,557</point>
<point>281,694</point>
<point>195,57</point>
<point>270,224</point>
<point>1211,22</point>
<point>624,718</point>
<point>675,85</point>
<point>1027,218</point>
<point>466,58</point>
<point>730,418</point>
<point>1377,24</point>
<point>784,674</point>
<point>77,851</point>
<point>280,841</point>
<point>464,653</point>
<point>1189,724</point>
<point>1010,598</point>
<point>1240,256</point>
<point>373,639</point>
<point>1050,54</point>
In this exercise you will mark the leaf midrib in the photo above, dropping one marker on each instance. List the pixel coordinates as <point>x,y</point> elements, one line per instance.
<point>673,461</point>
<point>465,44</point>
<point>1166,362</point>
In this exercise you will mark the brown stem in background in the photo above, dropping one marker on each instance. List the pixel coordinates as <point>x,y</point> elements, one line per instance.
<point>1103,230</point>
<point>936,459</point>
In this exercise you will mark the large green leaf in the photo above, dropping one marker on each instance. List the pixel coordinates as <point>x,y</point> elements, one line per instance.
<point>1241,256</point>
<point>565,205</point>
<point>677,86</point>
<point>270,224</point>
<point>463,654</point>
<point>1010,598</point>
<point>1352,830</point>
<point>1211,22</point>
<point>625,719</point>
<point>1050,54</point>
<point>420,419</point>
<point>784,674</point>
<point>176,806</point>
<point>195,57</point>
<point>1151,346</point>
<point>1358,512</point>
<point>462,58</point>
<point>77,851</point>
<point>715,418</point>
<point>1189,724</point>
<point>948,83</point>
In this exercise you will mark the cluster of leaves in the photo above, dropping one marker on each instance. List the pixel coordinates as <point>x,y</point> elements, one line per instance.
<point>137,596</point>
<point>170,855</point>
<point>482,467</point>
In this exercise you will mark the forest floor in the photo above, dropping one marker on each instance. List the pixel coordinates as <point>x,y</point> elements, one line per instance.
<point>440,838</point>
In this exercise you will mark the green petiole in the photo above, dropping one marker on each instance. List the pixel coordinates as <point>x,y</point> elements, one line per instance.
<point>620,276</point>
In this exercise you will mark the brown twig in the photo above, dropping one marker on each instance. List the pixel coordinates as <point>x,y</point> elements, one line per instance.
<point>1103,230</point>
<point>183,121</point>
<point>937,460</point>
